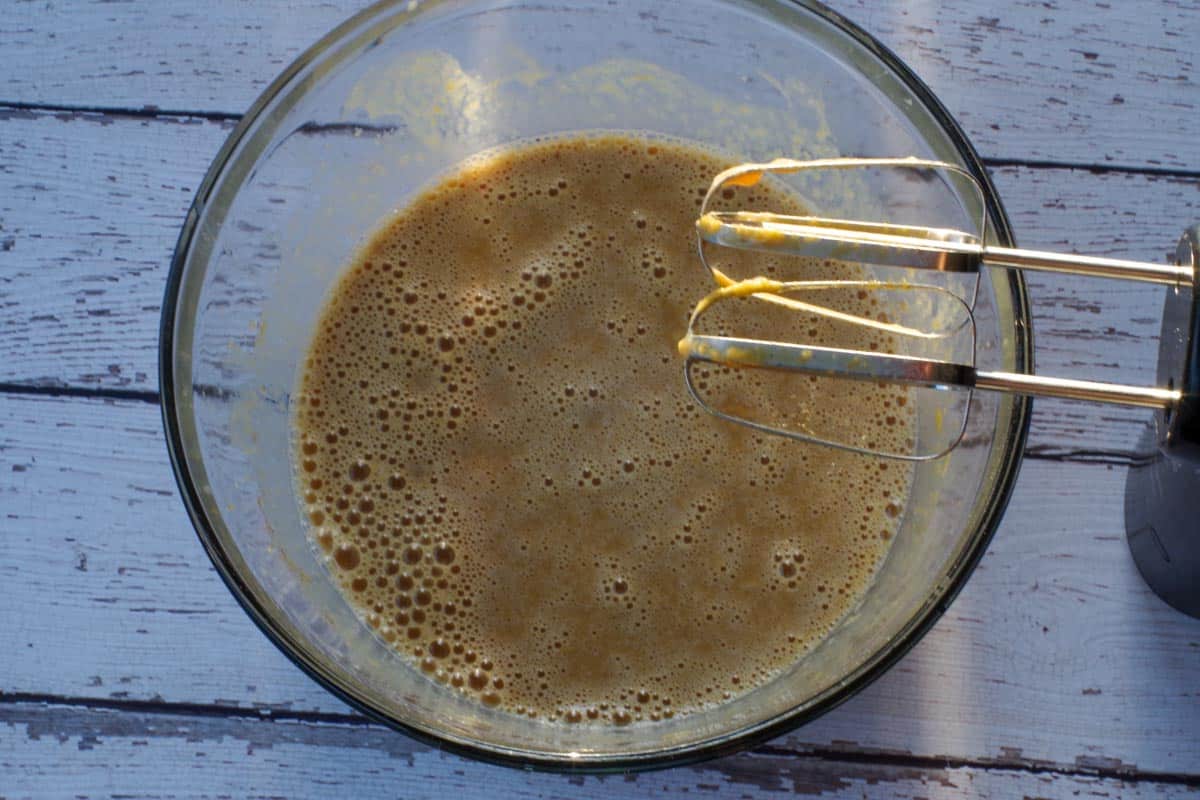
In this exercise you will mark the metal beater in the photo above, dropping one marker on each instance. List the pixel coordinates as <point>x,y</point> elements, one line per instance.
<point>1164,530</point>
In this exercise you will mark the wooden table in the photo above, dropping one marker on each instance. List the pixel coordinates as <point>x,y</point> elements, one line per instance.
<point>127,669</point>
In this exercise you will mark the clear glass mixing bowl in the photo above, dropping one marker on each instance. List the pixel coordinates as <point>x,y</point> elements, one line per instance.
<point>395,97</point>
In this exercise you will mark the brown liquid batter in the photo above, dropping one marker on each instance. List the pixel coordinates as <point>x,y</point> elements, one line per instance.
<point>511,484</point>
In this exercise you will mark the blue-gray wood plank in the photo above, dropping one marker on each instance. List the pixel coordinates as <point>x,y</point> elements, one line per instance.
<point>1055,674</point>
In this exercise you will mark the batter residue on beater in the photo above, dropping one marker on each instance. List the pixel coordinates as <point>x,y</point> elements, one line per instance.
<point>511,484</point>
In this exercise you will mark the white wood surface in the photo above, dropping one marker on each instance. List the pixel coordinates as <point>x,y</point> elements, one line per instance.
<point>91,754</point>
<point>1056,673</point>
<point>1079,81</point>
<point>91,206</point>
<point>1055,627</point>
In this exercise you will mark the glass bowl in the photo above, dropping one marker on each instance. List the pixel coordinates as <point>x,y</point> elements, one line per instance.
<point>395,97</point>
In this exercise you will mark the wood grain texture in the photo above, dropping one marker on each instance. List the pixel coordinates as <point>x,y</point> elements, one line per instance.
<point>1042,660</point>
<point>55,751</point>
<point>1056,673</point>
<point>1076,81</point>
<point>90,207</point>
<point>1082,81</point>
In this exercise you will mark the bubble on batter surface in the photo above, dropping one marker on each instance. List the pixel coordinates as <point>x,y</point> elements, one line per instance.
<point>511,486</point>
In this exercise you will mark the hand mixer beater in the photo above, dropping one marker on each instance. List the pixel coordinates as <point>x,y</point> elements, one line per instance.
<point>901,327</point>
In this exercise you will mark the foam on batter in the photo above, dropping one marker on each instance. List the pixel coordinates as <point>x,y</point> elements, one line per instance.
<point>510,483</point>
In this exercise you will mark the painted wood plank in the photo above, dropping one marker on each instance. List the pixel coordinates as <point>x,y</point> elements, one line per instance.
<point>54,751</point>
<point>1054,653</point>
<point>1039,665</point>
<point>1074,81</point>
<point>1079,81</point>
<point>90,207</point>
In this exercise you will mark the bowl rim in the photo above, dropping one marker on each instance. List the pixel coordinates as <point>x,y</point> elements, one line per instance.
<point>957,573</point>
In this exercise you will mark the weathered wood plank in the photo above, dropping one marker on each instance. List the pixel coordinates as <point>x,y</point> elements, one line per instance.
<point>1055,651</point>
<point>1054,661</point>
<point>1075,81</point>
<point>90,207</point>
<point>55,751</point>
<point>1080,81</point>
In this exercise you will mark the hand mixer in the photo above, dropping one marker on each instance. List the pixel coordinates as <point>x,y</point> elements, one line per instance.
<point>1164,532</point>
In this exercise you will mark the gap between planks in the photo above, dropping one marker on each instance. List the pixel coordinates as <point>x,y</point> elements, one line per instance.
<point>1111,82</point>
<point>1117,458</point>
<point>84,288</point>
<point>9,108</point>
<point>958,676</point>
<point>18,708</point>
